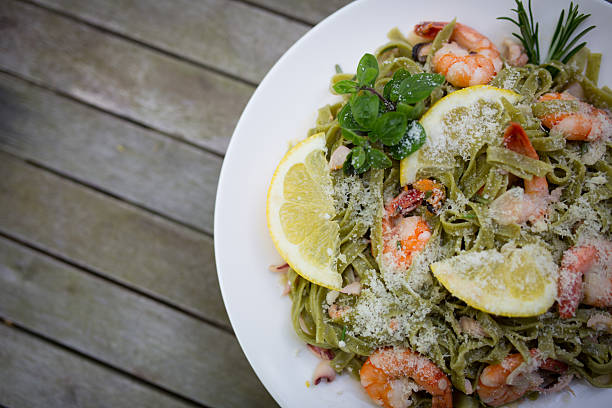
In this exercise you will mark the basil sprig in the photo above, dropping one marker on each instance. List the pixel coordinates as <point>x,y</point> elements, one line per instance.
<point>382,125</point>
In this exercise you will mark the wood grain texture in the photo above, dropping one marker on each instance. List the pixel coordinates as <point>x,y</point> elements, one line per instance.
<point>159,257</point>
<point>116,75</point>
<point>232,37</point>
<point>311,11</point>
<point>111,154</point>
<point>124,329</point>
<point>34,373</point>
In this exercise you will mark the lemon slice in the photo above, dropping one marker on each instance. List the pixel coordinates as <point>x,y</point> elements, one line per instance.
<point>514,282</point>
<point>455,126</point>
<point>300,210</point>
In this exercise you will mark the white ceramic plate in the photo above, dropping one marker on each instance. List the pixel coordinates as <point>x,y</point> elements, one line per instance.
<point>281,110</point>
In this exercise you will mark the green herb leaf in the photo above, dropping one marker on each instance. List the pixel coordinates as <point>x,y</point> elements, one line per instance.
<point>412,112</point>
<point>345,86</point>
<point>418,87</point>
<point>364,108</point>
<point>338,69</point>
<point>367,70</point>
<point>561,47</point>
<point>347,167</point>
<point>378,159</point>
<point>391,90</point>
<point>390,127</point>
<point>412,141</point>
<point>358,158</point>
<point>346,119</point>
<point>529,31</point>
<point>353,137</point>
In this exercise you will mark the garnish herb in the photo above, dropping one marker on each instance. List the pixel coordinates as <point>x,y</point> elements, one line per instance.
<point>343,333</point>
<point>562,42</point>
<point>380,124</point>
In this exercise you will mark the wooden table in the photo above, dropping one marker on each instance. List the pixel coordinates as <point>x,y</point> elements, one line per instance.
<point>114,117</point>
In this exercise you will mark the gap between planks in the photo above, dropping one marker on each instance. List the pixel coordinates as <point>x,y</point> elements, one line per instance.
<point>141,43</point>
<point>131,288</point>
<point>24,330</point>
<point>108,262</point>
<point>111,194</point>
<point>132,121</point>
<point>275,12</point>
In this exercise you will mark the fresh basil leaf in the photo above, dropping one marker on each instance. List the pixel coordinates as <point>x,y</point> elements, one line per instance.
<point>346,119</point>
<point>345,86</point>
<point>364,108</point>
<point>390,127</point>
<point>418,87</point>
<point>353,137</point>
<point>358,158</point>
<point>367,70</point>
<point>411,112</point>
<point>391,90</point>
<point>378,159</point>
<point>412,140</point>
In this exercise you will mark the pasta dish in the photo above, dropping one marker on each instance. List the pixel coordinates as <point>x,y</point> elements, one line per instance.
<point>447,225</point>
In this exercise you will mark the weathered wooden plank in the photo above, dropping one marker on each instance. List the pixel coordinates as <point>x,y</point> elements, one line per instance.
<point>119,76</point>
<point>232,37</point>
<point>99,149</point>
<point>311,11</point>
<point>34,373</point>
<point>126,330</point>
<point>111,237</point>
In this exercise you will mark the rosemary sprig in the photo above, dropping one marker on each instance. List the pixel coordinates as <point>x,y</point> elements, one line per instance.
<point>562,42</point>
<point>529,31</point>
<point>558,49</point>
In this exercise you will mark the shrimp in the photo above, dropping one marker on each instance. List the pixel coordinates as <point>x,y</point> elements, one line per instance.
<point>594,262</point>
<point>469,59</point>
<point>514,53</point>
<point>586,124</point>
<point>390,375</point>
<point>514,207</point>
<point>502,383</point>
<point>405,236</point>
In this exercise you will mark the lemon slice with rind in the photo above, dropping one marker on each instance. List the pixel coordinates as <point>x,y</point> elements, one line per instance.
<point>300,210</point>
<point>515,282</point>
<point>455,126</point>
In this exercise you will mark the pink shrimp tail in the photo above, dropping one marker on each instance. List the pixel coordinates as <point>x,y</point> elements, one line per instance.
<point>575,262</point>
<point>516,140</point>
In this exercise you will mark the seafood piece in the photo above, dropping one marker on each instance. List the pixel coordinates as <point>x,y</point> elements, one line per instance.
<point>337,312</point>
<point>390,375</point>
<point>514,53</point>
<point>516,206</point>
<point>601,322</point>
<point>468,59</point>
<point>323,371</point>
<point>472,327</point>
<point>322,353</point>
<point>403,238</point>
<point>509,380</point>
<point>420,51</point>
<point>587,124</point>
<point>338,157</point>
<point>434,194</point>
<point>594,262</point>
